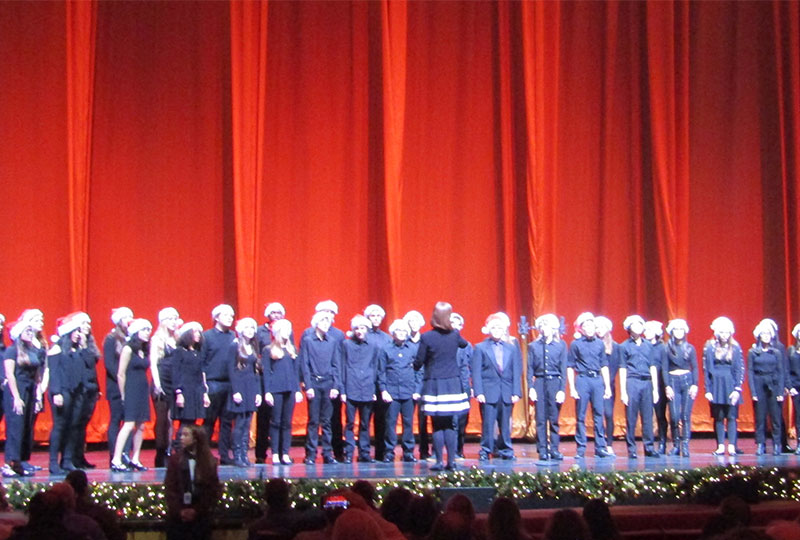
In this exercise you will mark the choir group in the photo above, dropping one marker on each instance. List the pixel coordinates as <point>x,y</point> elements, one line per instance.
<point>235,369</point>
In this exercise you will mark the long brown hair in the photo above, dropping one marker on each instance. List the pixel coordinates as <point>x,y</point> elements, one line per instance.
<point>441,316</point>
<point>206,464</point>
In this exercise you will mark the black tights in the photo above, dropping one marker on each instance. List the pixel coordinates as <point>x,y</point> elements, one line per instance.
<point>445,435</point>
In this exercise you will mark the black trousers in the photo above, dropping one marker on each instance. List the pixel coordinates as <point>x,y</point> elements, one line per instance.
<point>590,391</point>
<point>640,404</point>
<point>547,414</point>
<point>280,427</point>
<point>85,404</point>
<point>63,434</point>
<point>725,414</point>
<point>496,415</point>
<point>405,409</point>
<point>424,434</point>
<point>19,427</point>
<point>763,388</point>
<point>218,394</point>
<point>680,407</point>
<point>320,412</point>
<point>364,409</point>
<point>263,415</point>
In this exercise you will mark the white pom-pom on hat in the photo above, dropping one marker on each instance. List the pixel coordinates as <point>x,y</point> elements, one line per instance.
<point>117,314</point>
<point>374,309</point>
<point>274,307</point>
<point>137,325</point>
<point>674,324</point>
<point>722,324</point>
<point>328,305</point>
<point>630,320</point>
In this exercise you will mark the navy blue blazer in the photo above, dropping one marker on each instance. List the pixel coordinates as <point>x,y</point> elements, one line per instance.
<point>489,380</point>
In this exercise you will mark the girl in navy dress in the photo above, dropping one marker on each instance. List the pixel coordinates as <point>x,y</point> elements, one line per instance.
<point>442,396</point>
<point>723,373</point>
<point>24,362</point>
<point>188,379</point>
<point>281,388</point>
<point>133,385</point>
<point>245,388</point>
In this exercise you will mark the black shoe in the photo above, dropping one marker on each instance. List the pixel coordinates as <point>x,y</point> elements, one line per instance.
<point>632,455</point>
<point>119,468</point>
<point>329,460</point>
<point>776,451</point>
<point>309,460</point>
<point>388,458</point>
<point>544,456</point>
<point>239,463</point>
<point>30,468</point>
<point>260,461</point>
<point>508,457</point>
<point>651,453</point>
<point>55,470</point>
<point>662,447</point>
<point>366,459</point>
<point>139,467</point>
<point>83,464</point>
<point>580,455</point>
<point>786,449</point>
<point>222,461</point>
<point>438,466</point>
<point>603,453</point>
<point>760,449</point>
<point>483,457</point>
<point>348,460</point>
<point>797,452</point>
<point>675,451</point>
<point>451,466</point>
<point>460,455</point>
<point>558,456</point>
<point>738,451</point>
<point>126,459</point>
<point>68,466</point>
<point>409,458</point>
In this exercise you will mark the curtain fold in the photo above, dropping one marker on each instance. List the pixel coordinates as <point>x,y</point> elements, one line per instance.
<point>668,85</point>
<point>81,38</point>
<point>394,23</point>
<point>248,95</point>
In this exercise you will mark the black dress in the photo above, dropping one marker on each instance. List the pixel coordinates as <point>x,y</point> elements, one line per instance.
<point>137,390</point>
<point>187,376</point>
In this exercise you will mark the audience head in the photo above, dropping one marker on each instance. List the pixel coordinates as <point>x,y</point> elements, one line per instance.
<point>598,518</point>
<point>783,530</point>
<point>395,505</point>
<point>566,524</point>
<point>276,495</point>
<point>356,524</point>
<point>450,526</point>
<point>735,509</point>
<point>422,512</point>
<point>461,504</point>
<point>77,479</point>
<point>366,490</point>
<point>504,519</point>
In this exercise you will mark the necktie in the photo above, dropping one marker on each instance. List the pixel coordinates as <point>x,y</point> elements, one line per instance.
<point>498,355</point>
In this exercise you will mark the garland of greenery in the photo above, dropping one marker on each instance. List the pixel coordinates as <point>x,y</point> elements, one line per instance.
<point>241,499</point>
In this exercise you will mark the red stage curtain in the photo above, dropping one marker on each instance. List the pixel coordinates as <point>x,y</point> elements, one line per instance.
<point>248,89</point>
<point>527,156</point>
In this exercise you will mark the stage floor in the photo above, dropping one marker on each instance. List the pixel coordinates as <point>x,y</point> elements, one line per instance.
<point>526,460</point>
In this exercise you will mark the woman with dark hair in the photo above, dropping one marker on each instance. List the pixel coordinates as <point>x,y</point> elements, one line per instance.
<point>63,363</point>
<point>442,396</point>
<point>765,367</point>
<point>566,524</point>
<point>132,378</point>
<point>245,388</point>
<point>679,369</point>
<point>504,521</point>
<point>281,389</point>
<point>192,486</point>
<point>188,379</point>
<point>24,363</point>
<point>598,518</point>
<point>162,348</point>
<point>723,373</point>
